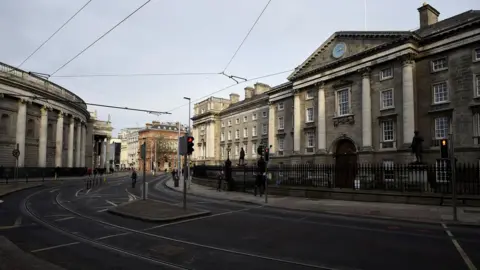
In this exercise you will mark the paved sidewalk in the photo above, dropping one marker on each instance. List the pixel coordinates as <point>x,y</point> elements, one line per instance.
<point>6,189</point>
<point>151,210</point>
<point>411,212</point>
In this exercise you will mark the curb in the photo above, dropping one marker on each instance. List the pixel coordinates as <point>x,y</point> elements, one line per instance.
<point>170,219</point>
<point>333,213</point>
<point>16,190</point>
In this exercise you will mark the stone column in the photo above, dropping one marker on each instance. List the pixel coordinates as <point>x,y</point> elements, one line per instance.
<point>322,123</point>
<point>366,110</point>
<point>297,130</point>
<point>42,147</point>
<point>21,126</point>
<point>83,144</point>
<point>211,140</point>
<point>70,142</point>
<point>78,141</point>
<point>107,152</point>
<point>272,119</point>
<point>408,101</point>
<point>59,141</point>
<point>102,153</point>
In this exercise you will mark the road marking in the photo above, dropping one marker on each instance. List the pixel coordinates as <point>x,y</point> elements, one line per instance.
<point>110,202</point>
<point>103,210</point>
<point>54,247</point>
<point>53,190</point>
<point>88,191</point>
<point>78,191</point>
<point>131,194</point>
<point>460,250</point>
<point>59,215</point>
<point>1,201</point>
<point>18,221</point>
<point>66,218</point>
<point>112,235</point>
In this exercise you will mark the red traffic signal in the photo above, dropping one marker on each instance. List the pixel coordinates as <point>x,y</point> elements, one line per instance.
<point>190,139</point>
<point>190,144</point>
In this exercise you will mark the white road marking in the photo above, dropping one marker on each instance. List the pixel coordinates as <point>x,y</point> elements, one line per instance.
<point>54,247</point>
<point>66,218</point>
<point>53,190</point>
<point>1,201</point>
<point>78,191</point>
<point>460,250</point>
<point>103,210</point>
<point>131,194</point>
<point>88,191</point>
<point>18,221</point>
<point>110,202</point>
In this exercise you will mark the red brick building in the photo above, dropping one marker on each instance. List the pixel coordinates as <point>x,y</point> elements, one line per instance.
<point>162,137</point>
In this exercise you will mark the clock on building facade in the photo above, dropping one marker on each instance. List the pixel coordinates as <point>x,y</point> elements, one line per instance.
<point>339,50</point>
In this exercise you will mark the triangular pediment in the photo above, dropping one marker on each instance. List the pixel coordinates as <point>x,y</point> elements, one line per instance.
<point>343,45</point>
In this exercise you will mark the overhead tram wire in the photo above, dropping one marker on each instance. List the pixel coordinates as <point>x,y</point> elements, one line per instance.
<point>58,30</point>
<point>248,34</point>
<point>90,104</point>
<point>98,39</point>
<point>232,85</point>
<point>136,75</point>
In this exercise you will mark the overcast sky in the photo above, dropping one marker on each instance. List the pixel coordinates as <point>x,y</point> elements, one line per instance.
<point>182,36</point>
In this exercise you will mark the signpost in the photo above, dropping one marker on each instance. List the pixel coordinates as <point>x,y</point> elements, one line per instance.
<point>16,154</point>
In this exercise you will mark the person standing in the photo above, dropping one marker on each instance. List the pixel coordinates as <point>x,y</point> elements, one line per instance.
<point>134,178</point>
<point>260,180</point>
<point>241,161</point>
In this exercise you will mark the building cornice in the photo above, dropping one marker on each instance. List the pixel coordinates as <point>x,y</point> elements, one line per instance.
<point>246,105</point>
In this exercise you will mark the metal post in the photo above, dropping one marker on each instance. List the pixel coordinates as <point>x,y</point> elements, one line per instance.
<point>178,152</point>
<point>266,177</point>
<point>453,166</point>
<point>144,171</point>
<point>185,166</point>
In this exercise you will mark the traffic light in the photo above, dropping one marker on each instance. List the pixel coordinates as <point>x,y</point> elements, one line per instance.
<point>260,150</point>
<point>143,150</point>
<point>444,148</point>
<point>267,152</point>
<point>190,145</point>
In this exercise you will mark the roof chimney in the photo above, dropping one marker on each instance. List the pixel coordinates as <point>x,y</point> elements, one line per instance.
<point>249,92</point>
<point>428,15</point>
<point>234,98</point>
<point>261,88</point>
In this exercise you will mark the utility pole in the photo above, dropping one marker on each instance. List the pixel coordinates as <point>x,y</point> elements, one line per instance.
<point>186,172</point>
<point>144,156</point>
<point>178,151</point>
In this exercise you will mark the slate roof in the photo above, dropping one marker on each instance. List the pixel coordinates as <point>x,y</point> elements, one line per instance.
<point>449,23</point>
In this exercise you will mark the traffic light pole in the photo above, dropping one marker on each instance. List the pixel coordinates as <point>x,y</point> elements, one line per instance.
<point>185,166</point>
<point>453,165</point>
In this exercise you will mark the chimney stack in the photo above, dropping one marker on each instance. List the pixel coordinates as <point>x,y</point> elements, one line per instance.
<point>428,15</point>
<point>261,88</point>
<point>234,98</point>
<point>249,92</point>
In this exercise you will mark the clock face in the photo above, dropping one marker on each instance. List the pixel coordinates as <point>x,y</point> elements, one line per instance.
<point>339,50</point>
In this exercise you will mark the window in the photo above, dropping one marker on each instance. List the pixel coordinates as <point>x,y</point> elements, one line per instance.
<point>388,134</point>
<point>439,64</point>
<point>281,144</point>
<point>229,123</point>
<point>237,121</point>
<point>309,115</point>
<point>281,123</point>
<point>229,135</point>
<point>30,128</point>
<point>237,134</point>
<point>343,102</point>
<point>264,129</point>
<point>4,124</point>
<point>222,151</point>
<point>202,111</point>
<point>223,124</point>
<point>440,93</point>
<point>254,131</point>
<point>476,128</point>
<point>386,99</point>
<point>254,116</point>
<point>386,74</point>
<point>222,136</point>
<point>310,139</point>
<point>442,127</point>
<point>245,118</point>
<point>476,82</point>
<point>237,151</point>
<point>245,132</point>
<point>254,149</point>
<point>476,55</point>
<point>281,106</point>
<point>309,94</point>
<point>264,114</point>
<point>245,149</point>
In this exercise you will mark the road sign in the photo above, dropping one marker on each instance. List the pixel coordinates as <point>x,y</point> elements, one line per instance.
<point>16,153</point>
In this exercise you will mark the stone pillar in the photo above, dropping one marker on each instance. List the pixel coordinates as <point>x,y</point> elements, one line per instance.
<point>42,146</point>
<point>366,110</point>
<point>211,140</point>
<point>59,141</point>
<point>102,153</point>
<point>20,135</point>
<point>272,119</point>
<point>408,101</point>
<point>322,123</point>
<point>83,144</point>
<point>297,129</point>
<point>107,152</point>
<point>70,141</point>
<point>78,147</point>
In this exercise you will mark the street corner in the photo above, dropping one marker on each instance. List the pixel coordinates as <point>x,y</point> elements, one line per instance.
<point>11,188</point>
<point>155,211</point>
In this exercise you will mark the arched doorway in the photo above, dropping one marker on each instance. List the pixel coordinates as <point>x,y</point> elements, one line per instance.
<point>345,163</point>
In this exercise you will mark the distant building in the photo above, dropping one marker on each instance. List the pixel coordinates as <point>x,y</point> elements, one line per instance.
<point>114,153</point>
<point>127,151</point>
<point>161,140</point>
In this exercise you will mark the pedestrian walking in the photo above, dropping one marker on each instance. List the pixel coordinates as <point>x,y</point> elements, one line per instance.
<point>241,161</point>
<point>260,179</point>
<point>220,180</point>
<point>134,178</point>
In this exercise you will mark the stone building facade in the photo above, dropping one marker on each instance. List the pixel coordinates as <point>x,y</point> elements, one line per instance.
<point>49,124</point>
<point>164,138</point>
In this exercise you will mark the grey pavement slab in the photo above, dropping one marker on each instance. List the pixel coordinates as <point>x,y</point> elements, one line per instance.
<point>151,210</point>
<point>12,257</point>
<point>408,212</point>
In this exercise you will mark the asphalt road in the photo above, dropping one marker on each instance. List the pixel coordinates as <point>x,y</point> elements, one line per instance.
<point>71,228</point>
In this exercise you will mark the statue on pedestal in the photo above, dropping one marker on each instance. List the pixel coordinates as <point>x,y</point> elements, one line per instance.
<point>417,147</point>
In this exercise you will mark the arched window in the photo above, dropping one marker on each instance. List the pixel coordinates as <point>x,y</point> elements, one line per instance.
<point>5,124</point>
<point>30,128</point>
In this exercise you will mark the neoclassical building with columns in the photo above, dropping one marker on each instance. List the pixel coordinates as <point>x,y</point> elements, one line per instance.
<point>49,125</point>
<point>361,95</point>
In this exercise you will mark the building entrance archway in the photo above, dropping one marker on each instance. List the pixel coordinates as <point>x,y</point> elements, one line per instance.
<point>345,163</point>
